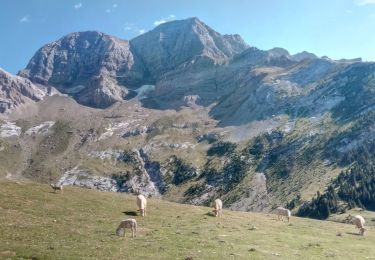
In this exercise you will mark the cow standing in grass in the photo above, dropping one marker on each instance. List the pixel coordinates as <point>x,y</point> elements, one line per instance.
<point>57,187</point>
<point>218,207</point>
<point>142,204</point>
<point>283,212</point>
<point>359,222</point>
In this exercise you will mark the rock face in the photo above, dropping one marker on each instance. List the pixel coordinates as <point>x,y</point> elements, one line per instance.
<point>279,52</point>
<point>77,177</point>
<point>147,179</point>
<point>256,199</point>
<point>15,91</point>
<point>98,69</point>
<point>41,129</point>
<point>183,63</point>
<point>176,43</point>
<point>9,129</point>
<point>93,67</point>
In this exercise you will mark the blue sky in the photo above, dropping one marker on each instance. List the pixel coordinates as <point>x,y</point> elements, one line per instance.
<point>337,28</point>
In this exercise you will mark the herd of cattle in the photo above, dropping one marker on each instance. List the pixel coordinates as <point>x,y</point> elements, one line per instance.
<point>131,223</point>
<point>281,212</point>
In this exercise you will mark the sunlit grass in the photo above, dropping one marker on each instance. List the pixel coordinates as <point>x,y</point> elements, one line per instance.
<point>79,224</point>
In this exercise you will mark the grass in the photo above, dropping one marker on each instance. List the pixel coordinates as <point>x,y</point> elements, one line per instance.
<point>80,224</point>
<point>368,215</point>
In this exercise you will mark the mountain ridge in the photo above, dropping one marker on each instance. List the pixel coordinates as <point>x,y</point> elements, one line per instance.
<point>202,113</point>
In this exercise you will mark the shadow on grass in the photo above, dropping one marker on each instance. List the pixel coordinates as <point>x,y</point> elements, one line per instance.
<point>353,234</point>
<point>130,213</point>
<point>54,192</point>
<point>210,214</point>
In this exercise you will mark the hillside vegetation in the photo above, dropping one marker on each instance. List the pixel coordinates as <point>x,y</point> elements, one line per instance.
<point>80,224</point>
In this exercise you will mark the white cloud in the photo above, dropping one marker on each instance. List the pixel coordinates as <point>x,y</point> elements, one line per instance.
<point>108,11</point>
<point>366,2</point>
<point>159,22</point>
<point>129,26</point>
<point>78,6</point>
<point>25,19</point>
<point>132,28</point>
<point>349,11</point>
<point>164,20</point>
<point>114,5</point>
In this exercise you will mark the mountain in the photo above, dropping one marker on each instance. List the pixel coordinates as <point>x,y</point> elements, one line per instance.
<point>90,66</point>
<point>279,52</point>
<point>304,55</point>
<point>188,114</point>
<point>178,43</point>
<point>98,69</point>
<point>16,91</point>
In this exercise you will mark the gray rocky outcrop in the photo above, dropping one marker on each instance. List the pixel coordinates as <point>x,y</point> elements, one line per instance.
<point>15,91</point>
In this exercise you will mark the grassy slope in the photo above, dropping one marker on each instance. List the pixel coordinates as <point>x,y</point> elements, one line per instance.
<point>51,156</point>
<point>81,224</point>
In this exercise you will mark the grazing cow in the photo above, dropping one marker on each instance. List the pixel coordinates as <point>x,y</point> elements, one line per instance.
<point>142,204</point>
<point>56,188</point>
<point>218,207</point>
<point>359,222</point>
<point>282,212</point>
<point>127,223</point>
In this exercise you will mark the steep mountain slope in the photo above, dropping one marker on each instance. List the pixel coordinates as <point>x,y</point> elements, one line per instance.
<point>16,91</point>
<point>98,69</point>
<point>90,66</point>
<point>177,43</point>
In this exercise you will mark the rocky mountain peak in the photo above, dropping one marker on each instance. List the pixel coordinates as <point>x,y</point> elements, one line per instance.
<point>74,57</point>
<point>176,42</point>
<point>74,63</point>
<point>278,52</point>
<point>304,55</point>
<point>15,91</point>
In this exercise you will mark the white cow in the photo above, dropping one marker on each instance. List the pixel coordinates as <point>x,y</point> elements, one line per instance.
<point>359,222</point>
<point>142,204</point>
<point>283,212</point>
<point>218,207</point>
<point>127,223</point>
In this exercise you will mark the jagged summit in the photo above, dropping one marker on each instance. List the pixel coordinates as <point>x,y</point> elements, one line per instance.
<point>98,69</point>
<point>176,42</point>
<point>279,52</point>
<point>85,65</point>
<point>177,59</point>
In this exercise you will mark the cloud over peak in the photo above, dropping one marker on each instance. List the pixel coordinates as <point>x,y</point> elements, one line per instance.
<point>164,20</point>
